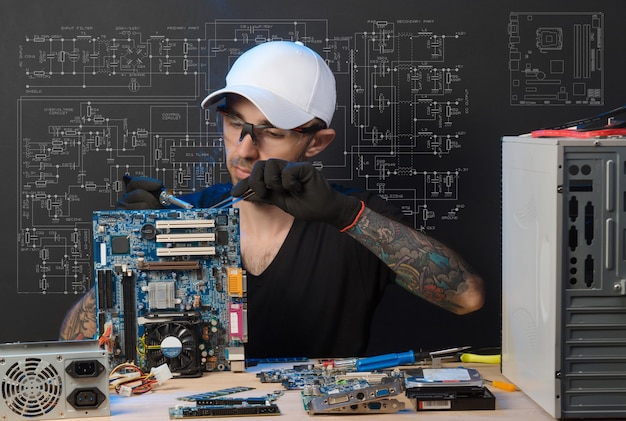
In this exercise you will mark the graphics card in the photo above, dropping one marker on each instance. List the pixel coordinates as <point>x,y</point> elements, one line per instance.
<point>353,395</point>
<point>53,380</point>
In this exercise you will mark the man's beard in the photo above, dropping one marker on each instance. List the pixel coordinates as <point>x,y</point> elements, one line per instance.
<point>240,163</point>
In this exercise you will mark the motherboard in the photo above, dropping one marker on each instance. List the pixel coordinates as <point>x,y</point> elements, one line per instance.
<point>170,288</point>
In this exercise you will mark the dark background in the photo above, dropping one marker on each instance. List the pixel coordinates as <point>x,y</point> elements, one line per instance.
<point>39,109</point>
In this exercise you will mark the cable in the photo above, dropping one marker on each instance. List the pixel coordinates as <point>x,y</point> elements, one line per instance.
<point>127,379</point>
<point>585,123</point>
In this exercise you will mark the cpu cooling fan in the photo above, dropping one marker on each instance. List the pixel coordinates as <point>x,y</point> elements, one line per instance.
<point>174,344</point>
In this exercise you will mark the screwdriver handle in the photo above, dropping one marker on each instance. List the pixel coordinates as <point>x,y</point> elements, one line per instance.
<point>385,361</point>
<point>504,385</point>
<point>475,358</point>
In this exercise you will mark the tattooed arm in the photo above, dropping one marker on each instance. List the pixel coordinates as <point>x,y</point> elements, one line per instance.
<point>422,265</point>
<point>80,321</point>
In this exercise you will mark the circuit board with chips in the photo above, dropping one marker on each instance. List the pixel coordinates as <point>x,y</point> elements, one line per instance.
<point>170,288</point>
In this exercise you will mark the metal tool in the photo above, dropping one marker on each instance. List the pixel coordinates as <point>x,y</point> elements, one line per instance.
<point>436,357</point>
<point>166,198</point>
<point>231,200</point>
<point>380,362</point>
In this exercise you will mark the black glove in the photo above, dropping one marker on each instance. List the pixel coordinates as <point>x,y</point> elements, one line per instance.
<point>299,189</point>
<point>141,193</point>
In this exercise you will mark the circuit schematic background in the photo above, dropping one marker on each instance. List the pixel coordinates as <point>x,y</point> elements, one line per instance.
<point>93,90</point>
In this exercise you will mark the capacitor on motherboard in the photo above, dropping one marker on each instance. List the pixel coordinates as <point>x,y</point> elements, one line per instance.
<point>205,333</point>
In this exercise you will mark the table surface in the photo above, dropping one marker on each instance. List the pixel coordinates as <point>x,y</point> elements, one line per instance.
<point>155,405</point>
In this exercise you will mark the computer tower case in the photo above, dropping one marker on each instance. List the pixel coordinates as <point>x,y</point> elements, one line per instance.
<point>564,273</point>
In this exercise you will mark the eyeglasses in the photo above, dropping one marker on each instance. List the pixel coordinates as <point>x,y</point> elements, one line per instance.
<point>262,135</point>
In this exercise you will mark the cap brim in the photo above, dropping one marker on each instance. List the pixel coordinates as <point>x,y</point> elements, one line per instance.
<point>279,112</point>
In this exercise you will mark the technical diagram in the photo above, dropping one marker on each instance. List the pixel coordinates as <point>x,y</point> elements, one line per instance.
<point>123,100</point>
<point>556,58</point>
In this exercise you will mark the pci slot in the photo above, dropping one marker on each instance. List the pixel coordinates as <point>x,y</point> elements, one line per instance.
<point>179,238</point>
<point>185,251</point>
<point>185,223</point>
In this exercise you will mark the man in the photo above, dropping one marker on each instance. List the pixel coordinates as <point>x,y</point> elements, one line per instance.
<point>318,257</point>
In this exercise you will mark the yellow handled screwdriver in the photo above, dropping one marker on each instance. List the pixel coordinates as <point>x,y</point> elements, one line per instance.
<point>502,385</point>
<point>475,358</point>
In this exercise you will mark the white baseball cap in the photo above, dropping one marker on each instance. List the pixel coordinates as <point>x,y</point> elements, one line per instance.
<point>289,82</point>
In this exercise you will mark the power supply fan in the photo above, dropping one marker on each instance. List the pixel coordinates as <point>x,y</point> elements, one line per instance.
<point>174,344</point>
<point>32,387</point>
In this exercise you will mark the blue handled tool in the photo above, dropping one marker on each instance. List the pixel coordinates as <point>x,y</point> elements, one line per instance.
<point>380,362</point>
<point>385,361</point>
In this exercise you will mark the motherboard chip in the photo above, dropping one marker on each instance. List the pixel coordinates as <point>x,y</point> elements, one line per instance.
<point>120,245</point>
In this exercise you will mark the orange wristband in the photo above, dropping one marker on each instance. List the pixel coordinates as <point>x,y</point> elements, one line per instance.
<point>356,219</point>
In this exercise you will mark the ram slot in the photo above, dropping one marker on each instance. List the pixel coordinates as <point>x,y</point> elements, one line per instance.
<point>130,316</point>
<point>108,280</point>
<point>102,289</point>
<point>101,322</point>
<point>105,289</point>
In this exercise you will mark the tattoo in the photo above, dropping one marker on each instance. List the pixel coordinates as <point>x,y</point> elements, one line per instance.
<point>423,266</point>
<point>80,321</point>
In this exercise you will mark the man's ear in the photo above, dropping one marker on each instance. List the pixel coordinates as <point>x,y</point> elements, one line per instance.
<point>319,142</point>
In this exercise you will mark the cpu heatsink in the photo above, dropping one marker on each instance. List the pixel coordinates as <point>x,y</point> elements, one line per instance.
<point>173,343</point>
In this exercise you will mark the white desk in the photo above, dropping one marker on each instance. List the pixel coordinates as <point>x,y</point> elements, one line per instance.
<point>510,406</point>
